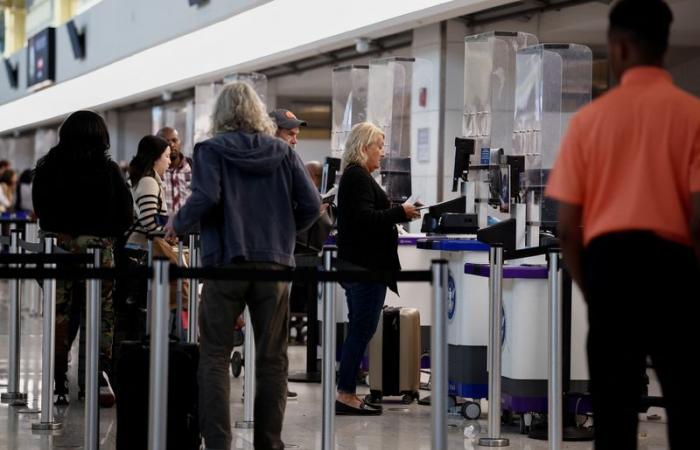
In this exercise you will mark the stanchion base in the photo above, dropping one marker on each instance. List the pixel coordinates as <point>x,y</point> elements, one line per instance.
<point>18,402</point>
<point>305,377</point>
<point>8,397</point>
<point>47,426</point>
<point>494,442</point>
<point>244,424</point>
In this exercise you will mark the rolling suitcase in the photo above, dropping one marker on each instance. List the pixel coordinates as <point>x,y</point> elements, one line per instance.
<point>394,355</point>
<point>131,389</point>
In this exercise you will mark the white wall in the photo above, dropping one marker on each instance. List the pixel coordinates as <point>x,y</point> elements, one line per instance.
<point>133,125</point>
<point>19,151</point>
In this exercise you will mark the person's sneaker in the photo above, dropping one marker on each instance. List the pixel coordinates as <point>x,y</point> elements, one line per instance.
<point>107,397</point>
<point>60,392</point>
<point>291,395</point>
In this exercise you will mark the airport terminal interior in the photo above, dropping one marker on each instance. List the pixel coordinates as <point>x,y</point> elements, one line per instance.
<point>474,98</point>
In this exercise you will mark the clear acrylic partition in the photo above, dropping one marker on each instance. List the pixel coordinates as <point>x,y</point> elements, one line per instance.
<point>391,85</point>
<point>349,103</point>
<point>553,82</point>
<point>258,81</point>
<point>489,87</point>
<point>205,96</point>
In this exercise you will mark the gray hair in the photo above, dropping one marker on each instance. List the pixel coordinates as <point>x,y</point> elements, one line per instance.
<point>238,108</point>
<point>362,135</point>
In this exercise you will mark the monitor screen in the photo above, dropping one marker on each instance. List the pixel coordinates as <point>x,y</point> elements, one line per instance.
<point>330,168</point>
<point>457,205</point>
<point>464,148</point>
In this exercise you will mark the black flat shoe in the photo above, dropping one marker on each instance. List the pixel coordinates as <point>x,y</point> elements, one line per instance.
<point>341,409</point>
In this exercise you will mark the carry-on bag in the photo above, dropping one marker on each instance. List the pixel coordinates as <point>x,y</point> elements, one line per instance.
<point>132,389</point>
<point>394,355</point>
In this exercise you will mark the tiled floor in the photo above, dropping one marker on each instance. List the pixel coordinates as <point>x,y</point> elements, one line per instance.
<point>401,427</point>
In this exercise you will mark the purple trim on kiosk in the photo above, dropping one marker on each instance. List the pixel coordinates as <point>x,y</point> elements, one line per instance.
<point>527,272</point>
<point>519,404</point>
<point>406,240</point>
<point>452,245</point>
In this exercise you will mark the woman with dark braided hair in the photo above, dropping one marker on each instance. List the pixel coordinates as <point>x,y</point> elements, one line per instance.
<point>79,193</point>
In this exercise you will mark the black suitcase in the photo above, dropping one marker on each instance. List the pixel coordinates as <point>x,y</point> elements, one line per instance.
<point>131,389</point>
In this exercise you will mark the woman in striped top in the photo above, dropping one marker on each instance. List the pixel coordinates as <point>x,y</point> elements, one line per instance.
<point>146,173</point>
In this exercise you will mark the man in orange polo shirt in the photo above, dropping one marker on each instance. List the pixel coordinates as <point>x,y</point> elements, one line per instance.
<point>627,180</point>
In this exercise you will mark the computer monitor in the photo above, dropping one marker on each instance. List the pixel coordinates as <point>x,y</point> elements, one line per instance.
<point>464,148</point>
<point>330,168</point>
<point>457,205</point>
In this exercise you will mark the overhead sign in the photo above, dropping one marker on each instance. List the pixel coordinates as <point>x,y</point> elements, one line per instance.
<point>41,59</point>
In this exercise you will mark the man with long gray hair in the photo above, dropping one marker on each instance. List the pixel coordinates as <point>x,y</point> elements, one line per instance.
<point>250,194</point>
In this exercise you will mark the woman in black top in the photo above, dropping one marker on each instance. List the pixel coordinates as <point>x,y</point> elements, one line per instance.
<point>367,237</point>
<point>79,193</point>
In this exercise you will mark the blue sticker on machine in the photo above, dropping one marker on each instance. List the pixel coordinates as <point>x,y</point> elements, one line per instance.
<point>451,295</point>
<point>485,156</point>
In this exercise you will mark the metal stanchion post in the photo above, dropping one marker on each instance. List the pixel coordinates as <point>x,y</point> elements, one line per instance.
<point>30,287</point>
<point>329,344</point>
<point>158,383</point>
<point>92,415</point>
<point>178,312</point>
<point>149,284</point>
<point>438,356</point>
<point>249,375</point>
<point>192,305</point>
<point>554,312</point>
<point>46,420</point>
<point>13,394</point>
<point>495,302</point>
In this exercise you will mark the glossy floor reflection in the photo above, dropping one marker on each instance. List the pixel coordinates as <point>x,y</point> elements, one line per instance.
<point>401,427</point>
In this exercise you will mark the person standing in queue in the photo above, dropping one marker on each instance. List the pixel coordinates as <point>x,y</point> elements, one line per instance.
<point>288,126</point>
<point>627,181</point>
<point>177,179</point>
<point>368,238</point>
<point>79,193</point>
<point>250,195</point>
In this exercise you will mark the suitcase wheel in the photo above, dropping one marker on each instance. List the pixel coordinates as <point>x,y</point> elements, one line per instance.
<point>374,397</point>
<point>236,364</point>
<point>407,399</point>
<point>471,410</point>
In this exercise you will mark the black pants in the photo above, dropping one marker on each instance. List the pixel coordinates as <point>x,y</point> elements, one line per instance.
<point>222,302</point>
<point>642,294</point>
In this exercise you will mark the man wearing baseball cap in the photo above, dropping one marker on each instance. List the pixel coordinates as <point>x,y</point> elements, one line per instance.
<point>287,125</point>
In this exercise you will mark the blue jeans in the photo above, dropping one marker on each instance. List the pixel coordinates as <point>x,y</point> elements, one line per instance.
<point>365,302</point>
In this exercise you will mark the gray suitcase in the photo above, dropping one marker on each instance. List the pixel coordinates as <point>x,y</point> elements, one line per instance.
<point>394,355</point>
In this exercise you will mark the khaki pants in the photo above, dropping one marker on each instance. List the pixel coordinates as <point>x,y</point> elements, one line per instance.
<point>222,303</point>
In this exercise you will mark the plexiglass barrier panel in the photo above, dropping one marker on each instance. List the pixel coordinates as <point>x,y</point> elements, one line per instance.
<point>394,85</point>
<point>553,82</point>
<point>205,96</point>
<point>258,82</point>
<point>489,87</point>
<point>349,84</point>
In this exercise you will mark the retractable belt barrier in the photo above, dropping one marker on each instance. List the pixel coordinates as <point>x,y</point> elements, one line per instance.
<point>161,273</point>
